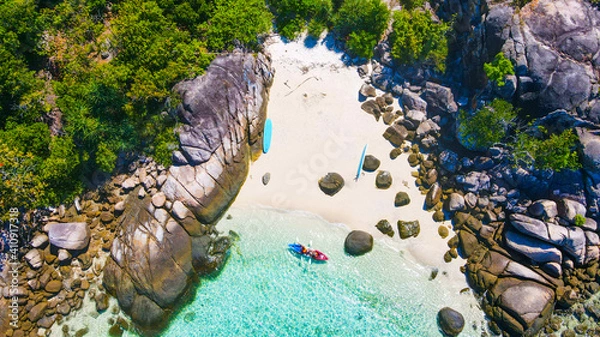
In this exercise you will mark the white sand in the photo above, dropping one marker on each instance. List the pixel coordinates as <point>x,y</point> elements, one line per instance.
<point>319,127</point>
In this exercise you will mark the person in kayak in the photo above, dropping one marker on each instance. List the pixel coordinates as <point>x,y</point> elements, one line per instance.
<point>304,251</point>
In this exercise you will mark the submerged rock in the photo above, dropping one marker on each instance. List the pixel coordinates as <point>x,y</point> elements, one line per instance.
<point>331,183</point>
<point>358,243</point>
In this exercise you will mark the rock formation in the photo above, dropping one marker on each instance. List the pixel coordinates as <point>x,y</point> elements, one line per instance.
<point>164,242</point>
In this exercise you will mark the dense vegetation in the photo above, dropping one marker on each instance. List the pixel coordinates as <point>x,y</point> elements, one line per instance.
<point>101,75</point>
<point>361,24</point>
<point>496,123</point>
<point>416,37</point>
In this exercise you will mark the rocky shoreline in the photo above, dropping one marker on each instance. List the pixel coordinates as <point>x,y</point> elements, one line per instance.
<point>147,236</point>
<point>530,236</point>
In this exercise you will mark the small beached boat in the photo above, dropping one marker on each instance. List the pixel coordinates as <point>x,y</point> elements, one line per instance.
<point>304,251</point>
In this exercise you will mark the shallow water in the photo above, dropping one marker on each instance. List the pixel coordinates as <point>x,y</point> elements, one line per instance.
<point>265,290</point>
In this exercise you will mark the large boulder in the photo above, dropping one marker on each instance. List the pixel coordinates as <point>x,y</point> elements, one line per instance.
<point>571,240</point>
<point>69,235</point>
<point>331,183</point>
<point>440,99</point>
<point>568,209</point>
<point>358,243</point>
<point>536,250</point>
<point>450,321</point>
<point>555,46</point>
<point>156,254</point>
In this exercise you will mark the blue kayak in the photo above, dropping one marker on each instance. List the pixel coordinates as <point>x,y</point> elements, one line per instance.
<point>268,133</point>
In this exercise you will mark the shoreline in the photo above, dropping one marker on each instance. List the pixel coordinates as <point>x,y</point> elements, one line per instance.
<point>321,128</point>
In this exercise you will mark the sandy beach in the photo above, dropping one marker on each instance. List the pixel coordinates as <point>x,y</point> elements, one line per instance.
<point>319,127</point>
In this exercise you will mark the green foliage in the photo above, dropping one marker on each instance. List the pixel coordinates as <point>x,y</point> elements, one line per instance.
<point>417,38</point>
<point>20,186</point>
<point>361,23</point>
<point>20,92</point>
<point>106,157</point>
<point>553,151</point>
<point>164,145</point>
<point>241,20</point>
<point>579,220</point>
<point>487,126</point>
<point>292,16</point>
<point>60,171</point>
<point>492,124</point>
<point>498,69</point>
<point>33,138</point>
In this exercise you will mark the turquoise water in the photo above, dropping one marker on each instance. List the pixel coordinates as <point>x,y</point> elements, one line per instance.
<point>264,290</point>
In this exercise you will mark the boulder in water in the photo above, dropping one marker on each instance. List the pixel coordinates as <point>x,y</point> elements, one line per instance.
<point>450,321</point>
<point>358,243</point>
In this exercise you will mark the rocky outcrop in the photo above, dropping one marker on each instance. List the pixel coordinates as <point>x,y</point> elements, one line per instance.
<point>167,236</point>
<point>555,46</point>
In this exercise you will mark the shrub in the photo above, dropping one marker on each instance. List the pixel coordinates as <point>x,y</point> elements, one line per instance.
<point>498,69</point>
<point>555,152</point>
<point>487,126</point>
<point>361,23</point>
<point>579,220</point>
<point>417,38</point>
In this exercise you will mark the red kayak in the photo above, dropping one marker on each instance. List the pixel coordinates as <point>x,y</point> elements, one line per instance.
<point>312,253</point>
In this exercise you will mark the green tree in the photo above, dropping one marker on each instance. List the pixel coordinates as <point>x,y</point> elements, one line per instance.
<point>361,23</point>
<point>417,38</point>
<point>498,69</point>
<point>237,20</point>
<point>487,126</point>
<point>292,16</point>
